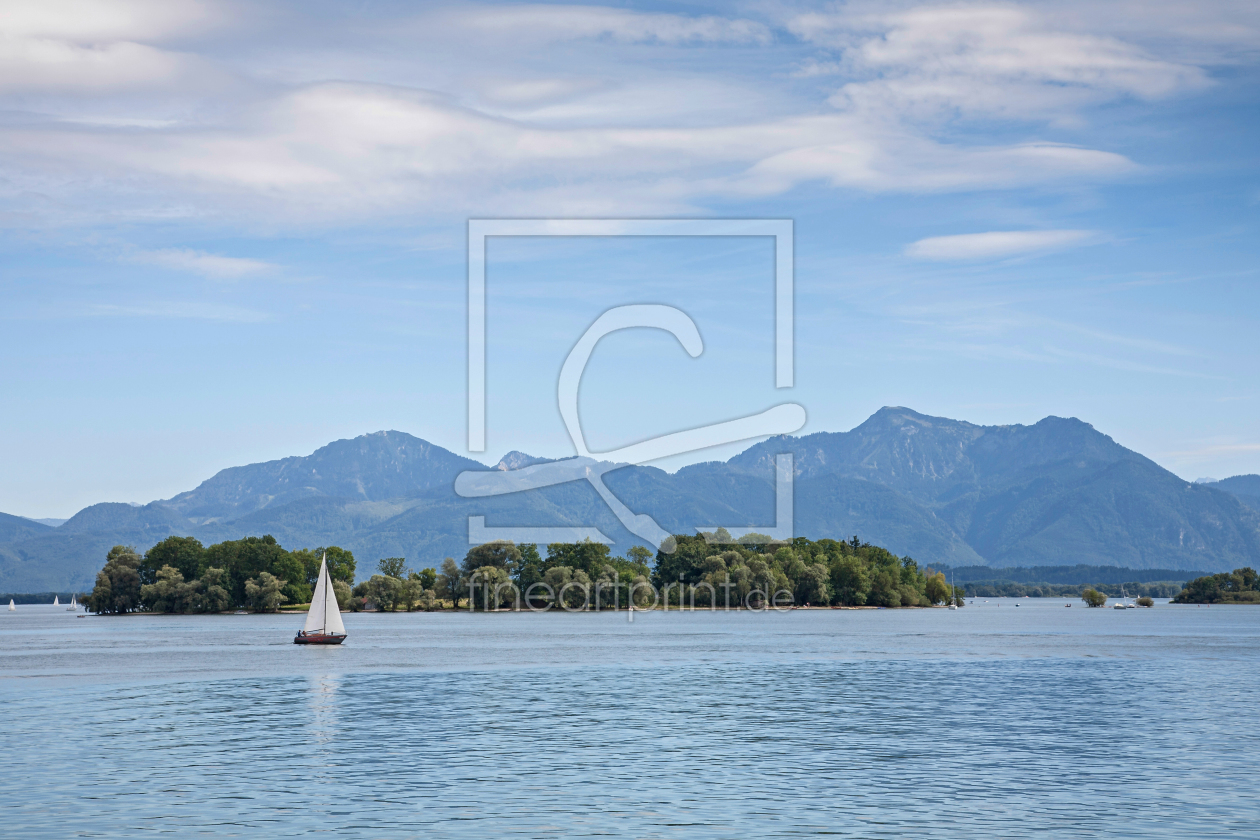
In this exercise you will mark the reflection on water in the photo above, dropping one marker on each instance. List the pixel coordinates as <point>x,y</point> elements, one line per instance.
<point>999,723</point>
<point>322,691</point>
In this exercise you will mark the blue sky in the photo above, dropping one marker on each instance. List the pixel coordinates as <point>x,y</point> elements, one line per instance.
<point>233,232</point>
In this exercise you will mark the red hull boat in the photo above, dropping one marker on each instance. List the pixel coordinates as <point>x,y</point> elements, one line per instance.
<point>304,638</point>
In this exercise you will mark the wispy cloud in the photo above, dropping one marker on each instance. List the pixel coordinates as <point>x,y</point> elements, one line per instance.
<point>509,126</point>
<point>1125,364</point>
<point>564,23</point>
<point>214,266</point>
<point>995,244</point>
<point>983,60</point>
<point>180,309</point>
<point>95,46</point>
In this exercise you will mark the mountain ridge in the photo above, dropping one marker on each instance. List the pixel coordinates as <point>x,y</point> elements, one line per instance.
<point>1057,492</point>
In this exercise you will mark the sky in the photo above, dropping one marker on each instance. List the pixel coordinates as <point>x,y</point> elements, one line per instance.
<point>232,232</point>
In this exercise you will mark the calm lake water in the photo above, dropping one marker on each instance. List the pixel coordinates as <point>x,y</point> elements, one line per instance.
<point>991,721</point>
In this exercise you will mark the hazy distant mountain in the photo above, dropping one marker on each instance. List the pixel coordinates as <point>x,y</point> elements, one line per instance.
<point>515,460</point>
<point>383,465</point>
<point>1245,487</point>
<point>16,528</point>
<point>943,491</point>
<point>1055,493</point>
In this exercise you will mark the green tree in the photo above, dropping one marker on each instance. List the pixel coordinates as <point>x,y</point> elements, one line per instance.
<point>1238,587</point>
<point>250,557</point>
<point>184,554</point>
<point>813,586</point>
<point>500,554</point>
<point>1093,598</point>
<point>492,586</point>
<point>587,556</point>
<point>936,590</point>
<point>884,591</point>
<point>395,567</point>
<point>428,578</point>
<point>639,554</point>
<point>341,565</point>
<point>264,593</point>
<point>450,585</point>
<point>342,590</point>
<point>385,591</point>
<point>207,594</point>
<point>556,578</point>
<point>530,568</point>
<point>168,594</point>
<point>118,584</point>
<point>849,580</point>
<point>641,587</point>
<point>412,591</point>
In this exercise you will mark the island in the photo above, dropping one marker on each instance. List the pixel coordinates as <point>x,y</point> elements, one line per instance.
<point>1236,587</point>
<point>705,570</point>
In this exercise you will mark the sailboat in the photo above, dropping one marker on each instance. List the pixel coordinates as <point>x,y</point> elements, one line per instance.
<point>74,604</point>
<point>323,619</point>
<point>1120,605</point>
<point>11,607</point>
<point>56,603</point>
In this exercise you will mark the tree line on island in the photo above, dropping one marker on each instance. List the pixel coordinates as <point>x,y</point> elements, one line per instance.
<point>180,575</point>
<point>1241,586</point>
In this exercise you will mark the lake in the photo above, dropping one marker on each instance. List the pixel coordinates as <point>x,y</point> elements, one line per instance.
<point>995,720</point>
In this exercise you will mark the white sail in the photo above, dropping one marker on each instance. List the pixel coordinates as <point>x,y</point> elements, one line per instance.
<point>11,607</point>
<point>55,603</point>
<point>323,616</point>
<point>332,613</point>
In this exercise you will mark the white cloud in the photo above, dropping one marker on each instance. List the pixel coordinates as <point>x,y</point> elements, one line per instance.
<point>564,23</point>
<point>511,129</point>
<point>984,60</point>
<point>208,265</point>
<point>97,21</point>
<point>342,150</point>
<point>994,244</point>
<point>41,64</point>
<point>535,92</point>
<point>97,45</point>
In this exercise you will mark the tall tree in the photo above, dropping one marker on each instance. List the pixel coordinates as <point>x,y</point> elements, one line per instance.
<point>395,567</point>
<point>185,555</point>
<point>502,554</point>
<point>118,583</point>
<point>265,592</point>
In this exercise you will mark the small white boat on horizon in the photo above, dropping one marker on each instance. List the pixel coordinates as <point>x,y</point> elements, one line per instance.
<point>56,602</point>
<point>12,608</point>
<point>74,604</point>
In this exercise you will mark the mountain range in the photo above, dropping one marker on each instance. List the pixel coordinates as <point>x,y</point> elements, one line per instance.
<point>946,492</point>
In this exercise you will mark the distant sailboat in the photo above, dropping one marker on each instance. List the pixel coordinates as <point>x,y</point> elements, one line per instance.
<point>11,607</point>
<point>323,619</point>
<point>74,604</point>
<point>56,603</point>
<point>1121,605</point>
